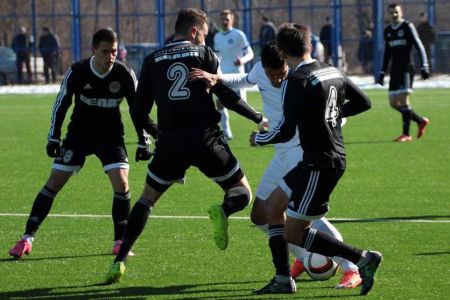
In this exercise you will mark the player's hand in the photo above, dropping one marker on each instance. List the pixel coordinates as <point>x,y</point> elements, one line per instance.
<point>143,152</point>
<point>53,148</point>
<point>380,79</point>
<point>252,139</point>
<point>425,73</point>
<point>208,78</point>
<point>238,61</point>
<point>263,125</point>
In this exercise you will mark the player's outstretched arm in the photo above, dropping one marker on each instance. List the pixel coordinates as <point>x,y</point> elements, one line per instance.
<point>232,80</point>
<point>232,101</point>
<point>285,129</point>
<point>208,78</point>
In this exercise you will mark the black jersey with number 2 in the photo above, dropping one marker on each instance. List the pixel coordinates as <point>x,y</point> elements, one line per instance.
<point>163,81</point>
<point>314,101</point>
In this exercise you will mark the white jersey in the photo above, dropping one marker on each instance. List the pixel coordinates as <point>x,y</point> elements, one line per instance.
<point>272,97</point>
<point>230,45</point>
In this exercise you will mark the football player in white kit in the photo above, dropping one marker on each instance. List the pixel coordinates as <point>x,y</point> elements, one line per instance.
<point>234,51</point>
<point>268,75</point>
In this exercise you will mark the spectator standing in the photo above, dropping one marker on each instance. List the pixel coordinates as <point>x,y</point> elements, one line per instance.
<point>317,50</point>
<point>49,48</point>
<point>267,32</point>
<point>427,35</point>
<point>122,52</point>
<point>209,40</point>
<point>325,39</point>
<point>365,53</point>
<point>22,45</point>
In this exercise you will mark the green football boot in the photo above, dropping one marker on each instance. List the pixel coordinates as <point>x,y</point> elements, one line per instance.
<point>116,272</point>
<point>220,223</point>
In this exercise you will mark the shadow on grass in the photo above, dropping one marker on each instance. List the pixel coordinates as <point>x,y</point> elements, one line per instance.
<point>368,142</point>
<point>102,291</point>
<point>394,219</point>
<point>53,257</point>
<point>433,253</point>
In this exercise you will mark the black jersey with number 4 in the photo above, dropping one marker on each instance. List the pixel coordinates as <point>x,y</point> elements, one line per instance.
<point>399,40</point>
<point>181,103</point>
<point>96,103</point>
<point>314,101</point>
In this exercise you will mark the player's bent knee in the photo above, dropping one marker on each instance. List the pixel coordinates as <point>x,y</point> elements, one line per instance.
<point>159,187</point>
<point>238,197</point>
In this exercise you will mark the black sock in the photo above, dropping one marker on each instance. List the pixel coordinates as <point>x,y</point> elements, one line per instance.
<point>120,212</point>
<point>279,249</point>
<point>415,117</point>
<point>41,207</point>
<point>236,199</point>
<point>406,117</point>
<point>136,223</point>
<point>322,243</point>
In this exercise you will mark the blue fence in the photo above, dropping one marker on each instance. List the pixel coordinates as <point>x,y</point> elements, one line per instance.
<point>149,21</point>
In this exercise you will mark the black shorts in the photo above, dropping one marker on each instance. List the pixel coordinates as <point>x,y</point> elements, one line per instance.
<point>309,191</point>
<point>401,82</point>
<point>203,148</point>
<point>74,150</point>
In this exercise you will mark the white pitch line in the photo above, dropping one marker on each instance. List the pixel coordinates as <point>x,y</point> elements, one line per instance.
<point>375,220</point>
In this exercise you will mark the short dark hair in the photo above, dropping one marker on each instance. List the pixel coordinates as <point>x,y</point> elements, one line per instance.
<point>189,17</point>
<point>104,35</point>
<point>294,39</point>
<point>227,12</point>
<point>271,57</point>
<point>394,5</point>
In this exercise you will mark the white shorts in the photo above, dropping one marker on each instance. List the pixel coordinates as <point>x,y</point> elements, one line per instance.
<point>282,162</point>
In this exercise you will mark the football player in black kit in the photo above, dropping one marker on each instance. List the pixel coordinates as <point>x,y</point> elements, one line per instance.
<point>99,84</point>
<point>400,36</point>
<point>316,98</point>
<point>189,134</point>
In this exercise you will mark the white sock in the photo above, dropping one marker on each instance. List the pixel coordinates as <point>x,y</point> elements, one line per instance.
<point>346,265</point>
<point>28,238</point>
<point>299,252</point>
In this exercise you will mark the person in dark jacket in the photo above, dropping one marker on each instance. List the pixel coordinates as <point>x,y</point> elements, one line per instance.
<point>267,32</point>
<point>427,35</point>
<point>49,48</point>
<point>325,39</point>
<point>22,45</point>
